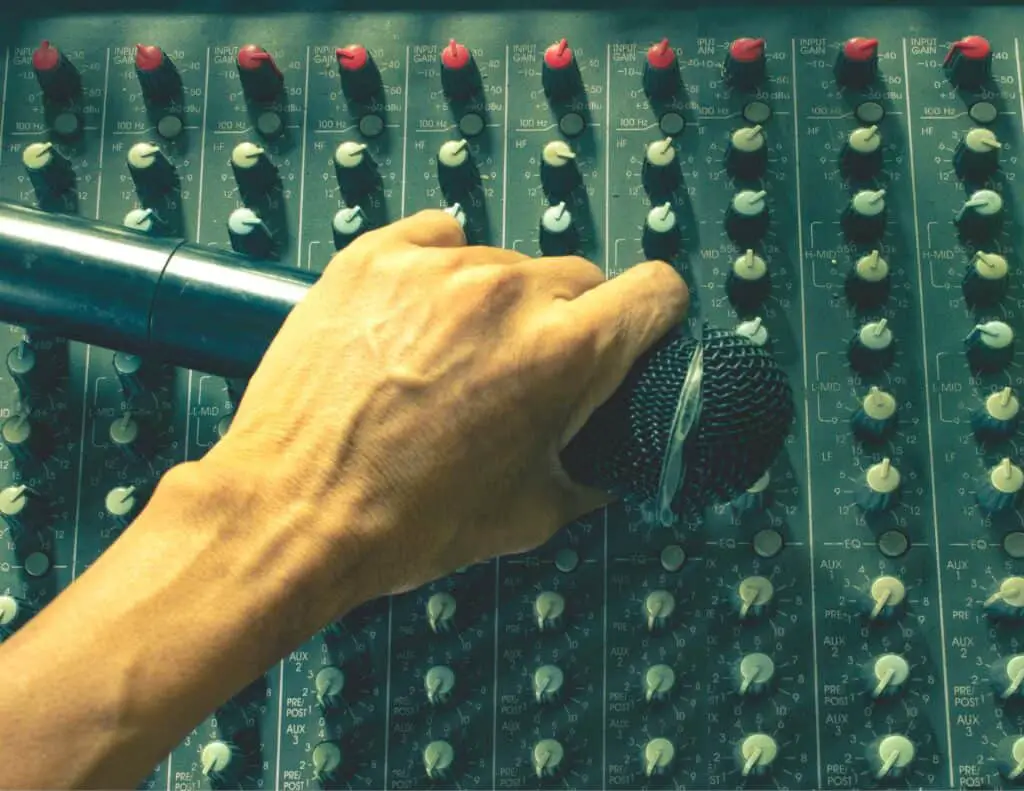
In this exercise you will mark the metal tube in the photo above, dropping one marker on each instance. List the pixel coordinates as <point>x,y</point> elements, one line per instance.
<point>188,305</point>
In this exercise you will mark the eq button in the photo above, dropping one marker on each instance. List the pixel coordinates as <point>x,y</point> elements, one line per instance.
<point>999,417</point>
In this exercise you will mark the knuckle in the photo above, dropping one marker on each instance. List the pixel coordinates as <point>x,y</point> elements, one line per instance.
<point>588,270</point>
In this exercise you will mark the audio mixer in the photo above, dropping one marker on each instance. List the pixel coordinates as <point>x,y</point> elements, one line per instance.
<point>837,183</point>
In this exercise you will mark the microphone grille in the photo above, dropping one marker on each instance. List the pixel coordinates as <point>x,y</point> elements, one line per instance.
<point>746,413</point>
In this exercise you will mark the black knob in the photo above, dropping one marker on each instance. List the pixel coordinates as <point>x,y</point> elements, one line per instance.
<point>862,154</point>
<point>151,170</point>
<point>14,613</point>
<point>868,283</point>
<point>998,418</point>
<point>48,169</point>
<point>348,224</point>
<point>28,368</point>
<point>865,216</point>
<point>881,487</point>
<point>136,375</point>
<point>158,76</point>
<point>746,219</point>
<point>456,172</point>
<point>261,80</point>
<point>249,235</point>
<point>748,283</point>
<point>661,173</point>
<point>986,280</point>
<point>558,172</point>
<point>857,63</point>
<point>968,64</point>
<point>22,508</point>
<point>873,347</point>
<point>460,77</point>
<point>661,71</point>
<point>355,170</point>
<point>990,346</point>
<point>131,436</point>
<point>254,172</point>
<point>561,74</point>
<point>122,504</point>
<point>875,419</point>
<point>1000,488</point>
<point>360,78</point>
<point>976,157</point>
<point>661,236</point>
<point>27,440</point>
<point>58,78</point>
<point>745,63</point>
<point>746,157</point>
<point>755,498</point>
<point>981,216</point>
<point>558,234</point>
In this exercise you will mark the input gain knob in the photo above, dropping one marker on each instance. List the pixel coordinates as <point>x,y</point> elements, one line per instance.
<point>745,64</point>
<point>360,77</point>
<point>968,63</point>
<point>661,71</point>
<point>857,63</point>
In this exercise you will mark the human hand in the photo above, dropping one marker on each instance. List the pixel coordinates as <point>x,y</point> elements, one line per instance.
<point>413,407</point>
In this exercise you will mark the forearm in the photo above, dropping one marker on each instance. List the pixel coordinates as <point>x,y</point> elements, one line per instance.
<point>195,600</point>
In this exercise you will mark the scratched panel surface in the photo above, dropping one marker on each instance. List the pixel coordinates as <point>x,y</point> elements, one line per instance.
<point>814,635</point>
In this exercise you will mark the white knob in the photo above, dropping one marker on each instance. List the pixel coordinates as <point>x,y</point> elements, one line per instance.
<point>440,611</point>
<point>453,153</point>
<point>658,756</point>
<point>758,752</point>
<point>864,140</point>
<point>350,155</point>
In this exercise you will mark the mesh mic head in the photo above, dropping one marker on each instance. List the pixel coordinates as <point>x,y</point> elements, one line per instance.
<point>746,413</point>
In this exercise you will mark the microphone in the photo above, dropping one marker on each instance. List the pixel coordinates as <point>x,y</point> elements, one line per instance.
<point>696,422</point>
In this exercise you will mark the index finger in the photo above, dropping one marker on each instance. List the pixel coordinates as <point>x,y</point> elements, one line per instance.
<point>427,228</point>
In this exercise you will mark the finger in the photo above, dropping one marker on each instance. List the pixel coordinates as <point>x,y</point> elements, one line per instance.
<point>428,228</point>
<point>565,277</point>
<point>624,317</point>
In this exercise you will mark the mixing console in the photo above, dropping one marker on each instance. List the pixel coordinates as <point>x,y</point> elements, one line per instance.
<point>838,183</point>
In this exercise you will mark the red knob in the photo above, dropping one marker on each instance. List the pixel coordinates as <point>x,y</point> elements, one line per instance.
<point>857,63</point>
<point>261,79</point>
<point>360,78</point>
<point>57,76</point>
<point>561,76</point>
<point>459,76</point>
<point>968,63</point>
<point>661,70</point>
<point>745,63</point>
